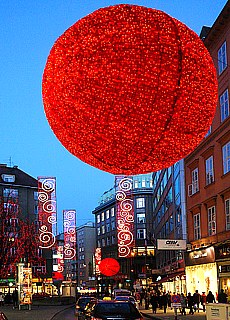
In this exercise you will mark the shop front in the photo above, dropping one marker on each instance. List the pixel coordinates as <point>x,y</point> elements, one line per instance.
<point>201,271</point>
<point>223,266</point>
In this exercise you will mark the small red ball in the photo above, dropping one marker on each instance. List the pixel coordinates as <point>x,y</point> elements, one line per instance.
<point>109,267</point>
<point>129,89</point>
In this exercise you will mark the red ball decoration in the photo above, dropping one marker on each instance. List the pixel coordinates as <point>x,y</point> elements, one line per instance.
<point>109,267</point>
<point>129,89</point>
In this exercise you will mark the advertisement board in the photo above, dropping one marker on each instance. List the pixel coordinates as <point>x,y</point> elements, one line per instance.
<point>170,244</point>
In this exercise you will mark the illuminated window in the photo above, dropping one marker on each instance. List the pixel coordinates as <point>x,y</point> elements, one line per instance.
<point>197,234</point>
<point>140,202</point>
<point>211,220</point>
<point>107,227</point>
<point>209,170</point>
<point>222,58</point>
<point>141,218</point>
<point>98,218</point>
<point>98,231</point>
<point>227,213</point>
<point>113,225</point>
<point>107,214</point>
<point>102,216</point>
<point>226,157</point>
<point>112,212</point>
<point>224,105</point>
<point>135,184</point>
<point>141,233</point>
<point>102,229</point>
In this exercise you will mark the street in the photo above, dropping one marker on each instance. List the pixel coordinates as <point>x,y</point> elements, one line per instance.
<point>68,314</point>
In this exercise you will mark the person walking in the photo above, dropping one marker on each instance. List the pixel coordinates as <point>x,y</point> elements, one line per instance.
<point>153,301</point>
<point>196,299</point>
<point>183,302</point>
<point>210,297</point>
<point>190,303</point>
<point>164,300</point>
<point>15,298</point>
<point>222,297</point>
<point>1,299</point>
<point>203,300</point>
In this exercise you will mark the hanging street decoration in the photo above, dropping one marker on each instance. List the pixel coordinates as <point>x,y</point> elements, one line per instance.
<point>124,215</point>
<point>129,89</point>
<point>97,260</point>
<point>69,223</point>
<point>47,213</point>
<point>109,267</point>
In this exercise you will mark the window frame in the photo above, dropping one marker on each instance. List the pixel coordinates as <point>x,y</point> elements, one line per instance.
<point>222,58</point>
<point>224,105</point>
<point>196,225</point>
<point>211,220</point>
<point>226,157</point>
<point>209,170</point>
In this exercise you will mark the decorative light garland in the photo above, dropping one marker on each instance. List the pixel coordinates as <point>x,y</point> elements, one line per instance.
<point>129,89</point>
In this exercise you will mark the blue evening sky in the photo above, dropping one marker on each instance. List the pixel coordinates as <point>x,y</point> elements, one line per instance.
<point>28,31</point>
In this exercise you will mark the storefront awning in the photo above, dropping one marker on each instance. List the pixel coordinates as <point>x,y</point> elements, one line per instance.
<point>172,277</point>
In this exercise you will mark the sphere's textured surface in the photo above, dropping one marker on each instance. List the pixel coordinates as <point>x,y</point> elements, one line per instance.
<point>129,89</point>
<point>109,267</point>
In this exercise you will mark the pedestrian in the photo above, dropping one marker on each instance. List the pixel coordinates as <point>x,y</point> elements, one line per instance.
<point>153,301</point>
<point>210,297</point>
<point>190,303</point>
<point>183,302</point>
<point>7,299</point>
<point>15,298</point>
<point>203,300</point>
<point>222,297</point>
<point>164,300</point>
<point>196,299</point>
<point>1,299</point>
<point>169,299</point>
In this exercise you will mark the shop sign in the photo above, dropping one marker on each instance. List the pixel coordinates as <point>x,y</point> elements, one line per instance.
<point>222,251</point>
<point>225,268</point>
<point>196,257</point>
<point>170,244</point>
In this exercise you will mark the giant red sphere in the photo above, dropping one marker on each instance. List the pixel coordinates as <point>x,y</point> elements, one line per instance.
<point>129,89</point>
<point>109,267</point>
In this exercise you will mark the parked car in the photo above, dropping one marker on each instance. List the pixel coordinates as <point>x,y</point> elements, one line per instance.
<point>81,304</point>
<point>128,298</point>
<point>112,310</point>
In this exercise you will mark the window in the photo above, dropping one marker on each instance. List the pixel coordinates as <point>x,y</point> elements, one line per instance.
<point>103,242</point>
<point>140,202</point>
<point>222,58</point>
<point>227,213</point>
<point>98,218</point>
<point>209,170</point>
<point>102,216</point>
<point>211,220</point>
<point>226,157</point>
<point>135,184</point>
<point>107,227</point>
<point>112,212</point>
<point>113,239</point>
<point>224,105</point>
<point>98,231</point>
<point>141,233</point>
<point>197,234</point>
<point>209,132</point>
<point>108,241</point>
<point>194,186</point>
<point>8,177</point>
<point>107,214</point>
<point>113,225</point>
<point>10,193</point>
<point>143,183</point>
<point>141,218</point>
<point>102,229</point>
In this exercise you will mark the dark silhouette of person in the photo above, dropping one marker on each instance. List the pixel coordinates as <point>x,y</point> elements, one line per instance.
<point>210,297</point>
<point>15,298</point>
<point>222,297</point>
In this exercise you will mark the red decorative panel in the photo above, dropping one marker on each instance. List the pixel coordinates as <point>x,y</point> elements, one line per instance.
<point>97,260</point>
<point>124,215</point>
<point>47,211</point>
<point>69,221</point>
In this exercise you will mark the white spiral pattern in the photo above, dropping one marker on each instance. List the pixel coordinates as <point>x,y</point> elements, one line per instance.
<point>52,219</point>
<point>42,196</point>
<point>49,206</point>
<point>126,184</point>
<point>47,238</point>
<point>48,185</point>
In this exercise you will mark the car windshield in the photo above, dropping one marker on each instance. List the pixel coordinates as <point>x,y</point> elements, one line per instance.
<point>82,302</point>
<point>114,308</point>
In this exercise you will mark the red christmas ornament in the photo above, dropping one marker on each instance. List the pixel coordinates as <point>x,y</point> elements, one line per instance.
<point>129,89</point>
<point>109,267</point>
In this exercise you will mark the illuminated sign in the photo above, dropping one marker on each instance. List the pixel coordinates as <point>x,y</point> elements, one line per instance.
<point>47,213</point>
<point>124,215</point>
<point>69,221</point>
<point>169,244</point>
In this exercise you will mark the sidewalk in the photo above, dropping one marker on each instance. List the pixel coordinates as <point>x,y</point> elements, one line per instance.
<point>169,315</point>
<point>36,313</point>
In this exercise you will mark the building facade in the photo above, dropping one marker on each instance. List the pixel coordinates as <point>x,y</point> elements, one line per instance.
<point>19,227</point>
<point>86,244</point>
<point>207,172</point>
<point>135,271</point>
<point>169,214</point>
